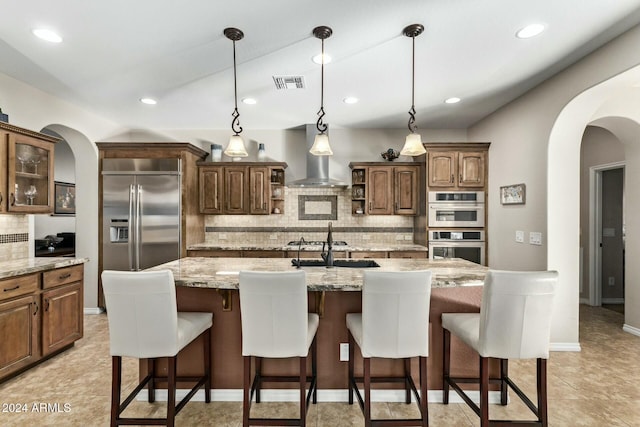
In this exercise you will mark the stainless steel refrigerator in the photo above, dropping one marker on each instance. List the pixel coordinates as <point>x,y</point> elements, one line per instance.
<point>140,212</point>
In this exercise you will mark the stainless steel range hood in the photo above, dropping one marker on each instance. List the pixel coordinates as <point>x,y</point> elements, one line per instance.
<point>317,167</point>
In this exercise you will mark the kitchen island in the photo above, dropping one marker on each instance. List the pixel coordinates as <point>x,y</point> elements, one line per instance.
<point>210,285</point>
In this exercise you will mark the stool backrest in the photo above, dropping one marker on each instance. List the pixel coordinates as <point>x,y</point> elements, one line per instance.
<point>142,312</point>
<point>515,315</point>
<point>395,313</point>
<point>273,313</point>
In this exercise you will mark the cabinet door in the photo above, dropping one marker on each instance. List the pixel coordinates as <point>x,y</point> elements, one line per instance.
<point>211,189</point>
<point>471,167</point>
<point>62,310</point>
<point>4,194</point>
<point>30,177</point>
<point>406,190</point>
<point>442,169</point>
<point>19,329</point>
<point>236,199</point>
<point>380,190</point>
<point>259,183</point>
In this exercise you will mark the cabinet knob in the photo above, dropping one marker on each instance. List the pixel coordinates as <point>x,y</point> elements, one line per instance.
<point>451,179</point>
<point>369,206</point>
<point>1,198</point>
<point>36,307</point>
<point>46,304</point>
<point>460,178</point>
<point>13,199</point>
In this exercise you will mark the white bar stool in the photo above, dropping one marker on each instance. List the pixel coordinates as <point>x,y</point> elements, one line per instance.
<point>394,324</point>
<point>514,323</point>
<point>144,322</point>
<point>276,324</point>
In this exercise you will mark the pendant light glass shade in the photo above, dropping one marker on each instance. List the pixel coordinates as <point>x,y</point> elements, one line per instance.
<point>321,145</point>
<point>413,145</point>
<point>236,147</point>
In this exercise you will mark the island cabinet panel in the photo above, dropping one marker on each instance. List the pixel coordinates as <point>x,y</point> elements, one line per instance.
<point>19,324</point>
<point>211,190</point>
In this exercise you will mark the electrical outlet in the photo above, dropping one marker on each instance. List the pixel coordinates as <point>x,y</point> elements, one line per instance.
<point>399,237</point>
<point>222,236</point>
<point>344,351</point>
<point>612,281</point>
<point>519,236</point>
<point>366,237</point>
<point>273,237</point>
<point>535,238</point>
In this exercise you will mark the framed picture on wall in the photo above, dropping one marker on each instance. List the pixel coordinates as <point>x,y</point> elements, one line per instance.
<point>513,194</point>
<point>65,198</point>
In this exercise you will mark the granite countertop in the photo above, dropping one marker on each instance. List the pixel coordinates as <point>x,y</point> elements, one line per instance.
<point>375,247</point>
<point>222,273</point>
<point>22,266</point>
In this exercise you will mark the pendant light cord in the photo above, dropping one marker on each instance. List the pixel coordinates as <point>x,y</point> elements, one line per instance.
<point>412,111</point>
<point>235,123</point>
<point>322,128</point>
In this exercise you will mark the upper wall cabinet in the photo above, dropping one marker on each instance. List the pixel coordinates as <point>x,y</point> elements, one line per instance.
<point>384,188</point>
<point>457,165</point>
<point>26,170</point>
<point>241,188</point>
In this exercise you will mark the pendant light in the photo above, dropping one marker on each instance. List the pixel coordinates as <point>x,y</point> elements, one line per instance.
<point>321,145</point>
<point>236,148</point>
<point>413,143</point>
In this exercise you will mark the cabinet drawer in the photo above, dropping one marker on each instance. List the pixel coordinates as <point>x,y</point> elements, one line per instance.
<point>368,254</point>
<point>61,276</point>
<point>16,286</point>
<point>408,254</point>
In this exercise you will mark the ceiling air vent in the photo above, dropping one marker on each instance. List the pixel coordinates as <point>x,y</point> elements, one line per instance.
<point>289,82</point>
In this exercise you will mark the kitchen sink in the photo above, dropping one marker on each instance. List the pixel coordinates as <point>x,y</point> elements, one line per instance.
<point>353,263</point>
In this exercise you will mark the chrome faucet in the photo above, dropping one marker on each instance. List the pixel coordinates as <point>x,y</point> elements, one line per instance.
<point>328,256</point>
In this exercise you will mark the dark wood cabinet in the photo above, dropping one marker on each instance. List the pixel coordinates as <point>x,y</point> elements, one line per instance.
<point>254,188</point>
<point>457,165</point>
<point>26,170</point>
<point>382,188</point>
<point>20,329</point>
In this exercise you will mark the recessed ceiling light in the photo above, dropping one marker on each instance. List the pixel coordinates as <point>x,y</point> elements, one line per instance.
<point>47,35</point>
<point>250,101</point>
<point>318,58</point>
<point>452,100</point>
<point>530,31</point>
<point>148,101</point>
<point>350,100</point>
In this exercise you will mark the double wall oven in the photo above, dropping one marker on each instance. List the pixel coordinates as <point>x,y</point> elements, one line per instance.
<point>456,222</point>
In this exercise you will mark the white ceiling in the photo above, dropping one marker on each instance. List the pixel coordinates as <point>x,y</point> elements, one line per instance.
<point>115,52</point>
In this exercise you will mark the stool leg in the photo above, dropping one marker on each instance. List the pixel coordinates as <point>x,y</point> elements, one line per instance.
<point>352,353</point>
<point>116,383</point>
<point>504,374</point>
<point>207,366</point>
<point>542,391</point>
<point>303,394</point>
<point>407,386</point>
<point>423,392</point>
<point>446,364</point>
<point>484,391</point>
<point>367,391</point>
<point>259,376</point>
<point>314,368</point>
<point>246,402</point>
<point>151,370</point>
<point>171,389</point>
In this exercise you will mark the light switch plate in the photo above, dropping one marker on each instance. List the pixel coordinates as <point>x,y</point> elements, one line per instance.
<point>344,351</point>
<point>535,238</point>
<point>519,236</point>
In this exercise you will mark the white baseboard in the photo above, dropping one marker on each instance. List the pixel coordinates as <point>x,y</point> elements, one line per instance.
<point>565,346</point>
<point>630,329</point>
<point>341,395</point>
<point>93,310</point>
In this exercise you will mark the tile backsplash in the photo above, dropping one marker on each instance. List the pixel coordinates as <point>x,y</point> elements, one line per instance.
<point>288,225</point>
<point>14,237</point>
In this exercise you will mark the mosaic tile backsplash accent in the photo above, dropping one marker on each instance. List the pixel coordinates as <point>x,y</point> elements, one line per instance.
<point>14,237</point>
<point>284,227</point>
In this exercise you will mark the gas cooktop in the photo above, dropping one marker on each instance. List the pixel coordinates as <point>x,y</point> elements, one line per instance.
<point>315,243</point>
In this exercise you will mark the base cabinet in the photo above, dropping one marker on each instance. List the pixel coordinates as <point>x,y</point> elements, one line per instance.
<point>40,314</point>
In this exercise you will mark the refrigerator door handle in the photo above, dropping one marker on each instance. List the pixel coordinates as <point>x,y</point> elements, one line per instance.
<point>131,225</point>
<point>138,219</point>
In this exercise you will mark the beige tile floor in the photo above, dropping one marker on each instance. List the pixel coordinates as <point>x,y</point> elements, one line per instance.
<point>599,386</point>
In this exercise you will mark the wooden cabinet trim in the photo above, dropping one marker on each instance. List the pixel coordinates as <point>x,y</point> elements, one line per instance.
<point>20,324</point>
<point>61,276</point>
<point>21,285</point>
<point>62,317</point>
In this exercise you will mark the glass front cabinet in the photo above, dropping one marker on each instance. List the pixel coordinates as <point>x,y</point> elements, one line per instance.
<point>29,179</point>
